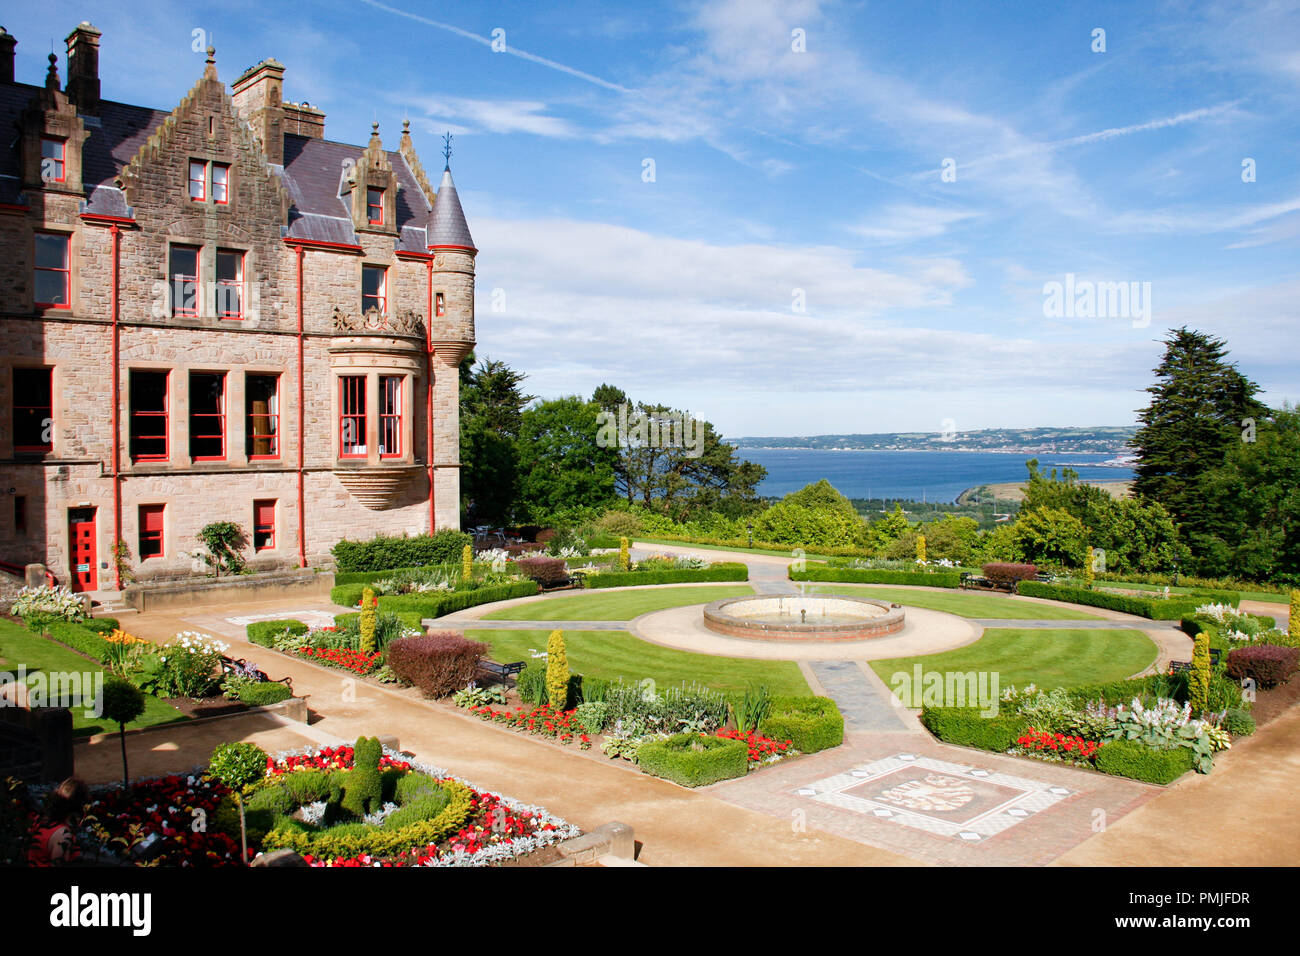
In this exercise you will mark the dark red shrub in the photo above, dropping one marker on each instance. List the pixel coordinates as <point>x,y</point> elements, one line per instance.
<point>548,572</point>
<point>439,664</point>
<point>544,535</point>
<point>1000,573</point>
<point>1268,664</point>
<point>514,550</point>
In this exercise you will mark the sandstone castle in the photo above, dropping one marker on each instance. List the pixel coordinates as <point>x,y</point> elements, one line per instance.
<point>217,314</point>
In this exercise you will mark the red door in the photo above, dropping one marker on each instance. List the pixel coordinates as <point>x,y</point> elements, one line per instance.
<point>81,532</point>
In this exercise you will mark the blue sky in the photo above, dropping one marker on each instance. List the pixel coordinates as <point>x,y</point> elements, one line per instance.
<point>777,170</point>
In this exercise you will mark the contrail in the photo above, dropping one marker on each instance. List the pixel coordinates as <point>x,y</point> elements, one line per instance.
<point>486,41</point>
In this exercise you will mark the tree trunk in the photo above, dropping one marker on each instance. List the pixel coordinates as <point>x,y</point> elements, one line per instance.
<point>121,736</point>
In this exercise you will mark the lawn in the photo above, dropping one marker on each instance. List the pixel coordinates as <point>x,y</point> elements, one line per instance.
<point>1047,658</point>
<point>965,604</point>
<point>613,654</point>
<point>42,655</point>
<point>615,605</point>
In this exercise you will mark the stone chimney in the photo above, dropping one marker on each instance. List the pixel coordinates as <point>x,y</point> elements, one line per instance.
<point>303,119</point>
<point>7,44</point>
<point>83,67</point>
<point>259,101</point>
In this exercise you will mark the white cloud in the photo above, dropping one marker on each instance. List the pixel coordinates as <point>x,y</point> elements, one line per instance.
<point>498,116</point>
<point>905,222</point>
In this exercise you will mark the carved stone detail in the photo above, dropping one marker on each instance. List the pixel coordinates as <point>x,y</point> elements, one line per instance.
<point>407,322</point>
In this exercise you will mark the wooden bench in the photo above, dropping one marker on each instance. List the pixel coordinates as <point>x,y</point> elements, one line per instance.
<point>979,583</point>
<point>230,665</point>
<point>1176,667</point>
<point>503,671</point>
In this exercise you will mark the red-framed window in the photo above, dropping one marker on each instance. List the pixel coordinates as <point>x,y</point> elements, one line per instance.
<point>150,544</point>
<point>375,207</point>
<point>53,165</point>
<point>264,525</point>
<point>230,284</point>
<point>208,416</point>
<point>148,413</point>
<point>51,277</point>
<point>352,416</point>
<point>220,183</point>
<point>183,268</point>
<point>33,409</point>
<point>390,416</point>
<point>198,181</point>
<point>439,304</point>
<point>374,288</point>
<point>262,416</point>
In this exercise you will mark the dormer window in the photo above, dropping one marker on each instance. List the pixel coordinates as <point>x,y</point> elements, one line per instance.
<point>53,165</point>
<point>374,293</point>
<point>375,207</point>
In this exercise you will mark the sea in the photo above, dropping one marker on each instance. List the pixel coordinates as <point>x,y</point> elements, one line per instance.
<point>913,475</point>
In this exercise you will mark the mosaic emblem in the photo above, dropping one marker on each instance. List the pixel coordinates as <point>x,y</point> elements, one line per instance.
<point>935,793</point>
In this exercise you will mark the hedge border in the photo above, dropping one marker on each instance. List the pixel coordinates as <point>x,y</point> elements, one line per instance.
<point>724,571</point>
<point>1173,609</point>
<point>723,759</point>
<point>435,605</point>
<point>264,633</point>
<point>1128,758</point>
<point>966,727</point>
<point>809,723</point>
<point>824,572</point>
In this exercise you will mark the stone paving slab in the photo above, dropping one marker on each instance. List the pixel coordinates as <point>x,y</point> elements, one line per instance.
<point>864,707</point>
<point>944,805</point>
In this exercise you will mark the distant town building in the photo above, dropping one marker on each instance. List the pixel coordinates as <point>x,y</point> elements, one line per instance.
<point>214,313</point>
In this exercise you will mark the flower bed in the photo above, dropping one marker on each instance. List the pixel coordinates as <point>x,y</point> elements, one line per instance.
<point>358,662</point>
<point>762,750</point>
<point>191,820</point>
<point>1057,747</point>
<point>542,719</point>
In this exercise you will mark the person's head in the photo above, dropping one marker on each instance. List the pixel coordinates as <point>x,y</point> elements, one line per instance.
<point>67,800</point>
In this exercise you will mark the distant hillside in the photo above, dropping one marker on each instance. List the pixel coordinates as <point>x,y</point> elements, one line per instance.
<point>1104,439</point>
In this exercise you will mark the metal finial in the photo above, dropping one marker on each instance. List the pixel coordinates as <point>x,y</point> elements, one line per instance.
<point>212,54</point>
<point>446,148</point>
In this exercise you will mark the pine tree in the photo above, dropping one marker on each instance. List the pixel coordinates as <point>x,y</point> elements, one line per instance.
<point>1198,405</point>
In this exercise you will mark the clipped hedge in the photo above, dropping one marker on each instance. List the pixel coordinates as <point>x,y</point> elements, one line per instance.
<point>387,552</point>
<point>1128,758</point>
<point>966,727</point>
<point>435,604</point>
<point>824,572</point>
<point>1157,609</point>
<point>370,577</point>
<point>265,693</point>
<point>809,723</point>
<point>264,633</point>
<point>79,638</point>
<point>694,760</point>
<point>101,625</point>
<point>724,571</point>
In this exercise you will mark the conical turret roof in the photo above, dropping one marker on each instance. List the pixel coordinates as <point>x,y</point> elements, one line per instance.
<point>447,226</point>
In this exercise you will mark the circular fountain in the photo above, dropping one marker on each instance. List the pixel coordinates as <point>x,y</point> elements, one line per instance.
<point>785,617</point>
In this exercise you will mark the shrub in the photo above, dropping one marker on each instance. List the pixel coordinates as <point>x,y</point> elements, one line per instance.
<point>384,552</point>
<point>49,603</point>
<point>264,693</point>
<point>624,556</point>
<point>1003,573</point>
<point>592,716</point>
<point>619,523</point>
<point>1267,664</point>
<point>1128,758</point>
<point>1238,722</point>
<point>368,615</point>
<point>190,665</point>
<point>932,579</point>
<point>237,765</point>
<point>557,671</point>
<point>809,723</point>
<point>439,664</point>
<point>101,625</point>
<point>1293,627</point>
<point>694,760</point>
<point>547,572</point>
<point>1198,684</point>
<point>723,571</point>
<point>967,727</point>
<point>264,633</point>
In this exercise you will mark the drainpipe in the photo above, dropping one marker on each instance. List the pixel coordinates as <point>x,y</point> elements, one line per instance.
<point>117,423</point>
<point>302,516</point>
<point>428,412</point>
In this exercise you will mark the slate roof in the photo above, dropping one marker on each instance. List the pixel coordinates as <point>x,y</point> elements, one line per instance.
<point>448,226</point>
<point>311,174</point>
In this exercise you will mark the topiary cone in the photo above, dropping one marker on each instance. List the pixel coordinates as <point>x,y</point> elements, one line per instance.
<point>467,563</point>
<point>920,549</point>
<point>1293,628</point>
<point>624,558</point>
